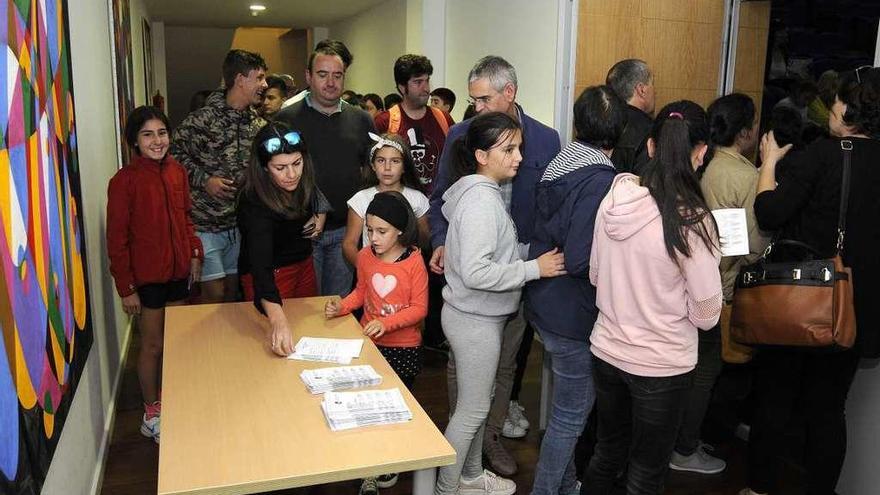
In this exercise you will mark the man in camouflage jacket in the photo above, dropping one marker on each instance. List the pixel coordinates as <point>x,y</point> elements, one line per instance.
<point>214,144</point>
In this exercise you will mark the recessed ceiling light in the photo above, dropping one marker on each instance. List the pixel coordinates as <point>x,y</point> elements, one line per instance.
<point>257,7</point>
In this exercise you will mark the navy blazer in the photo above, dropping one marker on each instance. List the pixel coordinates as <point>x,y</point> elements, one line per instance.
<point>540,145</point>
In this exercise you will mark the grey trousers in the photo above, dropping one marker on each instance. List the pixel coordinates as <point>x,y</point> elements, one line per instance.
<point>511,339</point>
<point>476,342</point>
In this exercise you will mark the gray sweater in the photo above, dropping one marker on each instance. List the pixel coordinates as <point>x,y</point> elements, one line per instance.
<point>484,271</point>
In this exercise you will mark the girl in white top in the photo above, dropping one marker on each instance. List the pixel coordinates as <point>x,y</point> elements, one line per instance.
<point>393,170</point>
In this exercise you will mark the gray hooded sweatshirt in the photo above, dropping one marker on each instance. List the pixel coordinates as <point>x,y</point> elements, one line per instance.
<point>484,271</point>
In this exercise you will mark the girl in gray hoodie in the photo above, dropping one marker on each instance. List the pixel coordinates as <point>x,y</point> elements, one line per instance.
<point>485,274</point>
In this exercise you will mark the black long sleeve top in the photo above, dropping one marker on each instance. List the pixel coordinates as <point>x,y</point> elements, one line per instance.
<point>270,241</point>
<point>805,207</point>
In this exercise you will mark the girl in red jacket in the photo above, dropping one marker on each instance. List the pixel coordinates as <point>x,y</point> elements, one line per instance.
<point>154,252</point>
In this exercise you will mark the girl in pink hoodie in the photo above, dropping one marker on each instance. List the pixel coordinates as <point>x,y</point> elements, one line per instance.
<point>654,262</point>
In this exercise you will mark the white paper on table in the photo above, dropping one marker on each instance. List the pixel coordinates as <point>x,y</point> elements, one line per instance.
<point>340,378</point>
<point>340,351</point>
<point>733,230</point>
<point>346,410</point>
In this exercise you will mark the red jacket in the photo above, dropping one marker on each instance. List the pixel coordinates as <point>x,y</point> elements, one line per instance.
<point>150,235</point>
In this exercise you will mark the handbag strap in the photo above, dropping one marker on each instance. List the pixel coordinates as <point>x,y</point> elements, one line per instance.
<point>846,146</point>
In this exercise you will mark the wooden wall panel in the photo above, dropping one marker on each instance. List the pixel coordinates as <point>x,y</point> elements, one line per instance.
<point>611,38</point>
<point>679,39</point>
<point>620,8</point>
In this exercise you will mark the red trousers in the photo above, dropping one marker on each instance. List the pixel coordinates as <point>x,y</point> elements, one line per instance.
<point>296,280</point>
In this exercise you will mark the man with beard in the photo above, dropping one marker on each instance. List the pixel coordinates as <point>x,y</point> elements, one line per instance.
<point>423,126</point>
<point>336,134</point>
<point>214,143</point>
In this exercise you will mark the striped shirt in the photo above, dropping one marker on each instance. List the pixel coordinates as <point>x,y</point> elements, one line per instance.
<point>574,156</point>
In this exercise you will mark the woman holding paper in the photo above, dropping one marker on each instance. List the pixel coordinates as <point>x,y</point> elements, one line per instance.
<point>728,182</point>
<point>280,211</point>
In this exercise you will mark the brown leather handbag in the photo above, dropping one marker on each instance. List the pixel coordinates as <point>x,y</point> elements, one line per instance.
<point>804,303</point>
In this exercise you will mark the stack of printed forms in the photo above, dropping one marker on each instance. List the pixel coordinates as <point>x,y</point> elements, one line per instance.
<point>339,351</point>
<point>339,378</point>
<point>346,410</point>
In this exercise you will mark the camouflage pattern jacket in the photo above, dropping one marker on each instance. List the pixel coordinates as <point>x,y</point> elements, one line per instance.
<point>215,140</point>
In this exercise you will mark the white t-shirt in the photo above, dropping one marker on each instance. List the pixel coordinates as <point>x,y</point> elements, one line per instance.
<point>361,200</point>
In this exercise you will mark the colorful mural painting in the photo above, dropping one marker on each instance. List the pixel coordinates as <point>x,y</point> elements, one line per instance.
<point>44,310</point>
<point>124,69</point>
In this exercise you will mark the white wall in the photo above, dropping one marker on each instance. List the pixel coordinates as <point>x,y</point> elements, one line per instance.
<point>414,27</point>
<point>78,460</point>
<point>523,32</point>
<point>376,37</point>
<point>455,34</point>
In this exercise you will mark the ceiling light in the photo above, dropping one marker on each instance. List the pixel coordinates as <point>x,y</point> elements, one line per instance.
<point>257,7</point>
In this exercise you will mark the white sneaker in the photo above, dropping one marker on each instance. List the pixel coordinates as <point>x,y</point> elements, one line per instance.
<point>517,415</point>
<point>150,428</point>
<point>512,430</point>
<point>487,483</point>
<point>699,462</point>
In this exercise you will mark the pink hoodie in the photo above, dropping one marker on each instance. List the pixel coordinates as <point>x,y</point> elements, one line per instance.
<point>649,305</point>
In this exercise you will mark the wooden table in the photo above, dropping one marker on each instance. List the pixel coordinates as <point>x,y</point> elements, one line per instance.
<point>238,419</point>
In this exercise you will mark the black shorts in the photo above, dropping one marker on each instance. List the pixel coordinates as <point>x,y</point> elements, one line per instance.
<point>155,296</point>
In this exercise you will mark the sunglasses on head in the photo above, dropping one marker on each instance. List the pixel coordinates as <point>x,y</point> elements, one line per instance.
<point>274,144</point>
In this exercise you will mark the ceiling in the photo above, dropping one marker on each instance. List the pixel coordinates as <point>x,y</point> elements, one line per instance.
<point>235,13</point>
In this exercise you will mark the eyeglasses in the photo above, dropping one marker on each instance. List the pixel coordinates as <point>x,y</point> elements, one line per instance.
<point>858,70</point>
<point>483,100</point>
<point>273,144</point>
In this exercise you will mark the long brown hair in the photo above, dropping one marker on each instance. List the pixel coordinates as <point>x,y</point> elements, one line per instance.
<point>258,182</point>
<point>409,178</point>
<point>672,181</point>
<point>485,131</point>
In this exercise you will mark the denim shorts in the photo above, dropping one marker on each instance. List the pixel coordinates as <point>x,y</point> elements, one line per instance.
<point>221,253</point>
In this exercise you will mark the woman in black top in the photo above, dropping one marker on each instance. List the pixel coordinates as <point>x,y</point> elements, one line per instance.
<point>280,211</point>
<point>804,207</point>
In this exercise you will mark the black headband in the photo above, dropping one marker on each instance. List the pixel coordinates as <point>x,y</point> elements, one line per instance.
<point>390,209</point>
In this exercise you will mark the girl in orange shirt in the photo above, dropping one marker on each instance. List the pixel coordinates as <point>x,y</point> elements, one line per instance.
<point>392,288</point>
<point>392,285</point>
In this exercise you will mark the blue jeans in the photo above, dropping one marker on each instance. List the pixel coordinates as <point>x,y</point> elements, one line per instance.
<point>639,417</point>
<point>573,397</point>
<point>332,272</point>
